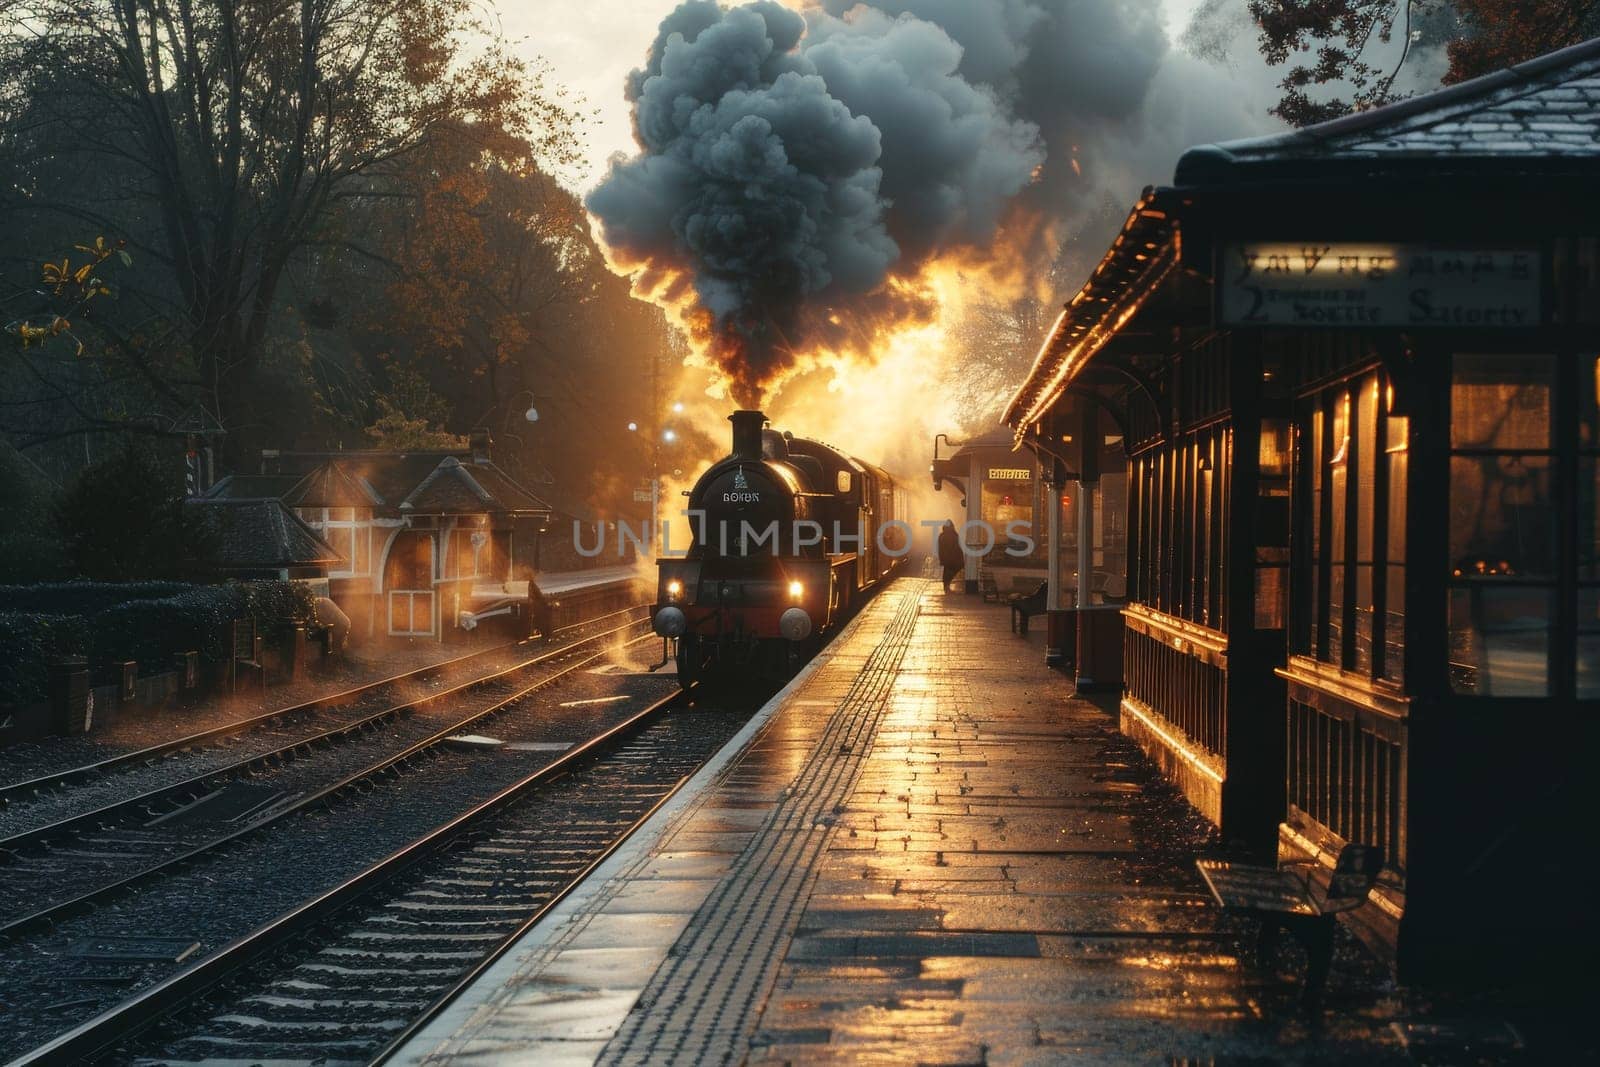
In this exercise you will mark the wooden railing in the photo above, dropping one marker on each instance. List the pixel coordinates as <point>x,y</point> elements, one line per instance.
<point>1179,671</point>
<point>1346,758</point>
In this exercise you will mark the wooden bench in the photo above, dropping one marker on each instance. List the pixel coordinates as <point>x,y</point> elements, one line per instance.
<point>1026,605</point>
<point>247,652</point>
<point>1288,898</point>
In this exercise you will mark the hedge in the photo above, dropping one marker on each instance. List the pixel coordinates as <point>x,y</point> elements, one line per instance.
<point>83,598</point>
<point>278,607</point>
<point>28,643</point>
<point>152,631</point>
<point>152,622</point>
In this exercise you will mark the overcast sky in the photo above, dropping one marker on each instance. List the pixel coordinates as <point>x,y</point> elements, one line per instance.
<point>592,44</point>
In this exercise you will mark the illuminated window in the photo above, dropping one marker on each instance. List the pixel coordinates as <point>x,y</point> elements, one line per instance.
<point>1588,563</point>
<point>1177,511</point>
<point>348,531</point>
<point>1350,581</point>
<point>1397,446</point>
<point>1272,526</point>
<point>1003,501</point>
<point>1504,556</point>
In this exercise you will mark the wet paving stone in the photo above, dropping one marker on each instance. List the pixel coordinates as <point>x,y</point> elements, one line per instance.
<point>932,853</point>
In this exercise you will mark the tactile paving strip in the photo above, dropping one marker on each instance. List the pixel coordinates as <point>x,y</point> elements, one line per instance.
<point>702,1005</point>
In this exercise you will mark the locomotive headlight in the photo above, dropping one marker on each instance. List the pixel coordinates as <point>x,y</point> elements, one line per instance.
<point>674,589</point>
<point>796,590</point>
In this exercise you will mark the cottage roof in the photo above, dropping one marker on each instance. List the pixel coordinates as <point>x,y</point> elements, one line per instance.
<point>418,483</point>
<point>332,485</point>
<point>252,486</point>
<point>252,535</point>
<point>454,487</point>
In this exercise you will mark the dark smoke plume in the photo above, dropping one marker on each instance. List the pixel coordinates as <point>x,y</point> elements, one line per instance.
<point>790,166</point>
<point>798,169</point>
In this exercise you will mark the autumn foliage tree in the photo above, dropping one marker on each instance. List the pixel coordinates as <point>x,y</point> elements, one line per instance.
<point>347,226</point>
<point>1331,49</point>
<point>224,138</point>
<point>490,266</point>
<point>1500,33</point>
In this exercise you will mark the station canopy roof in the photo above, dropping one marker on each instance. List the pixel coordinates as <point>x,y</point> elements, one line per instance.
<point>1540,116</point>
<point>1141,257</point>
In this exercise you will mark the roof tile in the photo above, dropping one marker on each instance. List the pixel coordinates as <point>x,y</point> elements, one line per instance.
<point>1515,112</point>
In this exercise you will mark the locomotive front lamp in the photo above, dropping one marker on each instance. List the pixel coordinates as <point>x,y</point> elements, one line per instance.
<point>796,590</point>
<point>674,589</point>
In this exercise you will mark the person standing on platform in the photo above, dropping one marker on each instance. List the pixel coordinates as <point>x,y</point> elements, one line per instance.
<point>951,556</point>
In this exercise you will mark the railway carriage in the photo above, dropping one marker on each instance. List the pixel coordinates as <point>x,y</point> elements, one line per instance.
<point>788,534</point>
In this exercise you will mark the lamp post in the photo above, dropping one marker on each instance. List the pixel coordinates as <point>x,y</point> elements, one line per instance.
<point>520,465</point>
<point>665,435</point>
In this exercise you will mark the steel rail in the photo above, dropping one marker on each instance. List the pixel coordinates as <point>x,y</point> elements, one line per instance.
<point>44,783</point>
<point>53,913</point>
<point>99,1035</point>
<point>465,982</point>
<point>283,752</point>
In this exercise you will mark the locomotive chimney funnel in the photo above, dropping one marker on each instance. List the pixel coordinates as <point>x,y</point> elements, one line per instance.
<point>747,433</point>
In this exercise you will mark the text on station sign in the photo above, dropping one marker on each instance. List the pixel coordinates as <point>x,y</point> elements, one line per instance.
<point>1317,284</point>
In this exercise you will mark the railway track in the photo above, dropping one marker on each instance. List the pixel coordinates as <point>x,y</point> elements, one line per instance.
<point>71,865</point>
<point>340,977</point>
<point>355,698</point>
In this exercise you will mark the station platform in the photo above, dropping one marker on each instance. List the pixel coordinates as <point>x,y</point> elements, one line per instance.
<point>553,582</point>
<point>922,850</point>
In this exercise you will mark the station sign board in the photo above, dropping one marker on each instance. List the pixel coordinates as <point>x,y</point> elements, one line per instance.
<point>1319,285</point>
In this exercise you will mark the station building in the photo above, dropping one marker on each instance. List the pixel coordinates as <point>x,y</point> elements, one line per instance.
<point>1350,374</point>
<point>1000,490</point>
<point>423,539</point>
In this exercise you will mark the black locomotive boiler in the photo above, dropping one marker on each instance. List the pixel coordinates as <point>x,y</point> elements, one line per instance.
<point>787,534</point>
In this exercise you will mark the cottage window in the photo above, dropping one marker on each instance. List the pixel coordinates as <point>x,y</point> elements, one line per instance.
<point>348,531</point>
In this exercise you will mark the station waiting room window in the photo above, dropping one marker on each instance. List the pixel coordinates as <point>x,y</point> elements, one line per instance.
<point>1588,629</point>
<point>1178,516</point>
<point>1353,580</point>
<point>1518,568</point>
<point>1004,501</point>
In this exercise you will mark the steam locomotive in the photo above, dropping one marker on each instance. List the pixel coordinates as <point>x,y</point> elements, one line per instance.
<point>788,534</point>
